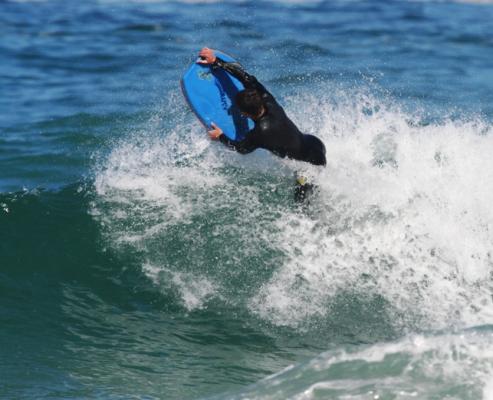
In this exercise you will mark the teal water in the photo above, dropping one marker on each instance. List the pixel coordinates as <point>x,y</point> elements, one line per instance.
<point>140,260</point>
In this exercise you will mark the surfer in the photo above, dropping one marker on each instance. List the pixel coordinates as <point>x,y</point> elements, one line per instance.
<point>273,130</point>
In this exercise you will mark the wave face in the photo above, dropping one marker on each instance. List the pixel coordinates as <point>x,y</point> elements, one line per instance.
<point>444,366</point>
<point>399,218</point>
<point>395,240</point>
<point>138,259</point>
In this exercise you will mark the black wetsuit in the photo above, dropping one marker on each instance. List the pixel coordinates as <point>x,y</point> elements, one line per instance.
<point>273,131</point>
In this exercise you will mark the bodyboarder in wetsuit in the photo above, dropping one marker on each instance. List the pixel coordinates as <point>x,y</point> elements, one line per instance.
<point>273,130</point>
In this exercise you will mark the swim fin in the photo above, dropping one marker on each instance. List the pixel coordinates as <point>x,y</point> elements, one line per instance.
<point>302,189</point>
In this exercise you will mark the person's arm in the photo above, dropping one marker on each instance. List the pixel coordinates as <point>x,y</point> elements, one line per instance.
<point>245,146</point>
<point>249,81</point>
<point>235,69</point>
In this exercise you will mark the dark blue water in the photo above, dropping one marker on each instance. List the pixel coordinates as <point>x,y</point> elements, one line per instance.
<point>140,260</point>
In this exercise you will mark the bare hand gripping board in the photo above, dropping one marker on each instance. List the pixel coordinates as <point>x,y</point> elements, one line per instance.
<point>210,92</point>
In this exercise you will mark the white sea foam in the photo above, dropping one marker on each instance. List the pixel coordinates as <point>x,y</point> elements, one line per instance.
<point>402,213</point>
<point>194,289</point>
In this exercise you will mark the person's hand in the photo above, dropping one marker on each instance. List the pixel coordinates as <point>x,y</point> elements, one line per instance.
<point>206,56</point>
<point>215,132</point>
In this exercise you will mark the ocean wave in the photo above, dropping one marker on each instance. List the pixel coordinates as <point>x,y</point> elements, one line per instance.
<point>454,366</point>
<point>398,232</point>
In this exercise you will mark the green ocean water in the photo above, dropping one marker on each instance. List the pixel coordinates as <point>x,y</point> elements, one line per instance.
<point>138,259</point>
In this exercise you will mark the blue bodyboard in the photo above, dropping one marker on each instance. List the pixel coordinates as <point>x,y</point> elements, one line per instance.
<point>211,93</point>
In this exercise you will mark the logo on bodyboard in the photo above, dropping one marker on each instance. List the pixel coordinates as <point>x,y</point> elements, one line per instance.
<point>204,75</point>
